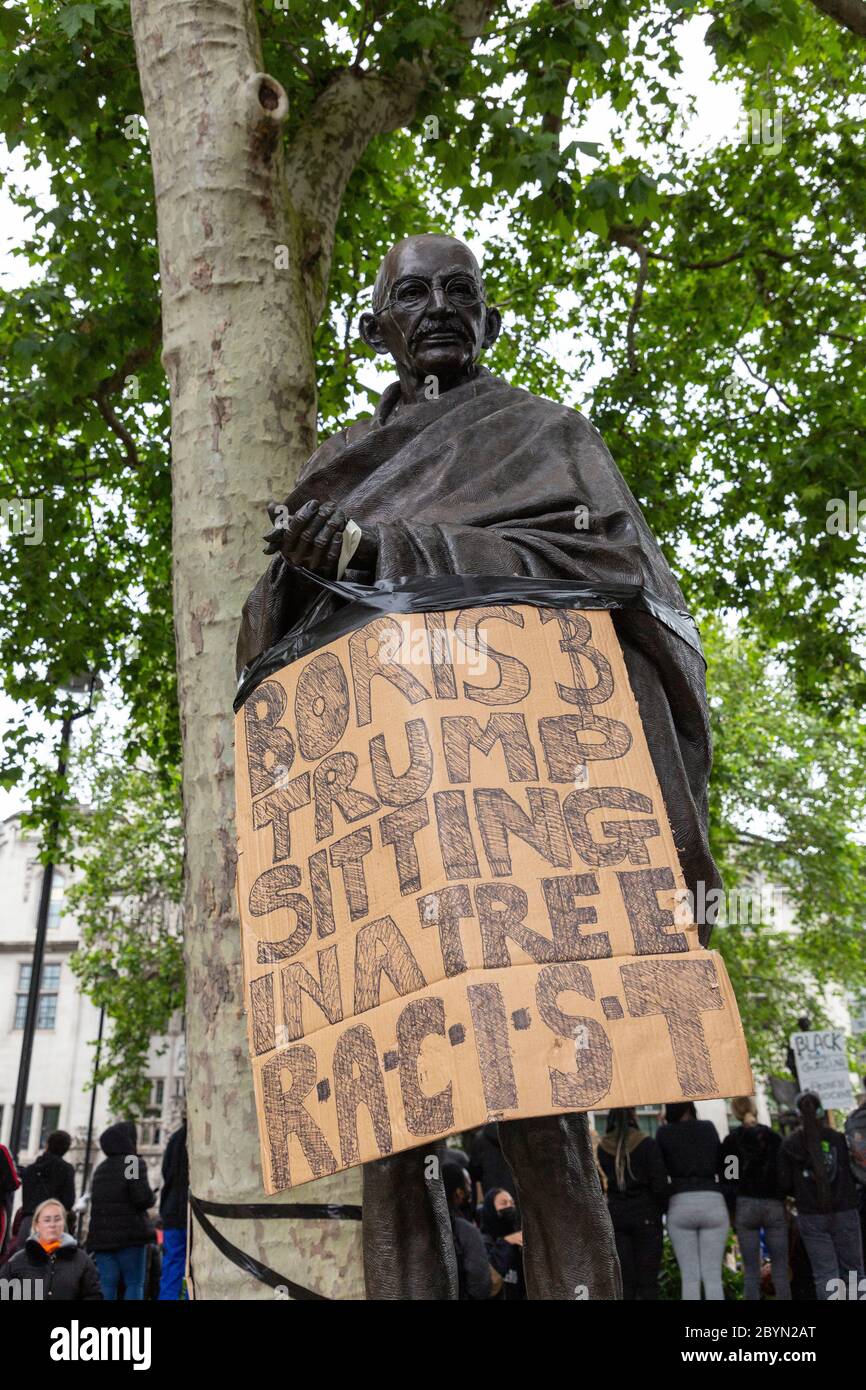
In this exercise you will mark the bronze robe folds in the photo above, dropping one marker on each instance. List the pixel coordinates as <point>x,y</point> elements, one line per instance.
<point>491,480</point>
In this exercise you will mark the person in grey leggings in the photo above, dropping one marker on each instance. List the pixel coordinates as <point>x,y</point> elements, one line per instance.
<point>698,1228</point>
<point>756,1214</point>
<point>750,1179</point>
<point>697,1214</point>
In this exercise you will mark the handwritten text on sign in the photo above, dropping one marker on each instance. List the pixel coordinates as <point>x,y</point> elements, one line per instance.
<point>459,893</point>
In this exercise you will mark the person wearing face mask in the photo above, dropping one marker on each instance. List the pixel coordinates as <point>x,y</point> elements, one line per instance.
<point>500,1227</point>
<point>51,1265</point>
<point>476,1279</point>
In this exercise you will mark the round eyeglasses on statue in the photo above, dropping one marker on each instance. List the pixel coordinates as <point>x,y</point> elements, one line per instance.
<point>414,293</point>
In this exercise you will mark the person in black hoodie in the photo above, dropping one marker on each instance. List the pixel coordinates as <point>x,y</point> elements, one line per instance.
<point>119,1229</point>
<point>500,1227</point>
<point>815,1169</point>
<point>488,1166</point>
<point>750,1180</point>
<point>637,1194</point>
<point>48,1176</point>
<point>474,1272</point>
<point>172,1208</point>
<point>51,1265</point>
<point>9,1185</point>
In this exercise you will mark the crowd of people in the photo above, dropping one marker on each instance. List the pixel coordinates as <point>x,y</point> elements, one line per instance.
<point>125,1256</point>
<point>797,1205</point>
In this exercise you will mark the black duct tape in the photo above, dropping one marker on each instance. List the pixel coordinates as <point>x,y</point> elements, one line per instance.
<point>256,1212</point>
<point>296,1211</point>
<point>430,594</point>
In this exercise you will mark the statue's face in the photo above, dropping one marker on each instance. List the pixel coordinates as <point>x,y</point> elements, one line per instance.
<point>435,321</point>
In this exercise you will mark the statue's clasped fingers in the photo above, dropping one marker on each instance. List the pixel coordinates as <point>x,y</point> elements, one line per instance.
<point>312,537</point>
<point>332,529</point>
<point>285,536</point>
<point>327,544</point>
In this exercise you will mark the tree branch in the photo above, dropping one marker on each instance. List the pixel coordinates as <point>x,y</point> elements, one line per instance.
<point>115,382</point>
<point>117,427</point>
<point>851,14</point>
<point>768,384</point>
<point>628,237</point>
<point>623,237</point>
<point>357,105</point>
<point>729,259</point>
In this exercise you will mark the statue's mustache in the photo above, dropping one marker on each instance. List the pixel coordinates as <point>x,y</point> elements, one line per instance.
<point>428,326</point>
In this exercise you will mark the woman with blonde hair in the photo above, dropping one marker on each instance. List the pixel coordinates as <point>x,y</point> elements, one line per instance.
<point>750,1160</point>
<point>52,1265</point>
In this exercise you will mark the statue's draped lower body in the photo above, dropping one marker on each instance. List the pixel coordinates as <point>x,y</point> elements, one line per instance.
<point>568,1243</point>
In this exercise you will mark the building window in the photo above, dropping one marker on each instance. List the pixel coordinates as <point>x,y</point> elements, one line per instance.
<point>46,1012</point>
<point>25,1128</point>
<point>55,903</point>
<point>152,1120</point>
<point>50,1122</point>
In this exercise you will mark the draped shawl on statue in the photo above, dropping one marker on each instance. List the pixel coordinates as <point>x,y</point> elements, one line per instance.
<point>486,480</point>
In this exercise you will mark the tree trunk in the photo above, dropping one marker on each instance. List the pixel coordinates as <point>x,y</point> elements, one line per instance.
<point>238,353</point>
<point>850,13</point>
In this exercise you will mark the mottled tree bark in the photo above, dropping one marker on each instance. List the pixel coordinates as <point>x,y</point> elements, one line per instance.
<point>246,233</point>
<point>238,353</point>
<point>849,13</point>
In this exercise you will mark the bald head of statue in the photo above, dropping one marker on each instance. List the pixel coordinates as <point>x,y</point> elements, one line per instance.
<point>430,314</point>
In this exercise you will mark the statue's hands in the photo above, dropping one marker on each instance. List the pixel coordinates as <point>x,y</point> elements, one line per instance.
<point>312,537</point>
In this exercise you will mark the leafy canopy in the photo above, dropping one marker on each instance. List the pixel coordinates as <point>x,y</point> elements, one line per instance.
<point>714,294</point>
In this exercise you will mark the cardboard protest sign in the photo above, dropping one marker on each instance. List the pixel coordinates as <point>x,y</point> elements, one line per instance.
<point>459,894</point>
<point>822,1066</point>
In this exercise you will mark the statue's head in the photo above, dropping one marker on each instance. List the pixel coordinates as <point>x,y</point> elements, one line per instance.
<point>429,311</point>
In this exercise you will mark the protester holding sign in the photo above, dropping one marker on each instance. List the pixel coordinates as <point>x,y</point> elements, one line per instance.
<point>820,1058</point>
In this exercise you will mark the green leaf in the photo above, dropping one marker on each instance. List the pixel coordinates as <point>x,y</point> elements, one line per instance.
<point>72,17</point>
